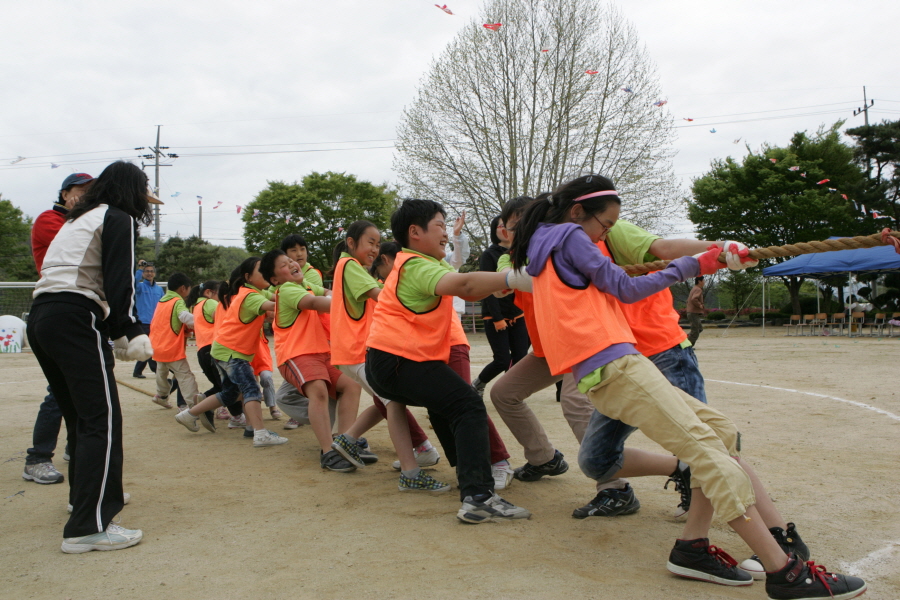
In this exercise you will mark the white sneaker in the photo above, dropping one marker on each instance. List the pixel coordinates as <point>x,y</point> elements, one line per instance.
<point>188,420</point>
<point>237,422</point>
<point>503,476</point>
<point>164,402</point>
<point>114,538</point>
<point>126,498</point>
<point>292,424</point>
<point>267,438</point>
<point>429,458</point>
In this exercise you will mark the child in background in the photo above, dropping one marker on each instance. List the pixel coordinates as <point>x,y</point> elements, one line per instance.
<point>354,299</point>
<point>237,341</point>
<point>409,351</point>
<point>262,368</point>
<point>168,334</point>
<point>203,302</point>
<point>459,363</point>
<point>303,355</point>
<point>574,285</point>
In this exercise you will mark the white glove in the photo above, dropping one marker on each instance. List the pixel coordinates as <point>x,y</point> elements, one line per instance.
<point>736,256</point>
<point>138,348</point>
<point>518,279</point>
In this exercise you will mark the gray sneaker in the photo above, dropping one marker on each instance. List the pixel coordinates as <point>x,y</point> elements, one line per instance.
<point>494,508</point>
<point>114,538</point>
<point>43,472</point>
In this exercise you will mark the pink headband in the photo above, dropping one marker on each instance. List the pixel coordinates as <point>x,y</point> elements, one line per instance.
<point>595,194</point>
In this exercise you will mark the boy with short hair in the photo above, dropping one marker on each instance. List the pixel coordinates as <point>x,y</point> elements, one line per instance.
<point>409,348</point>
<point>168,333</point>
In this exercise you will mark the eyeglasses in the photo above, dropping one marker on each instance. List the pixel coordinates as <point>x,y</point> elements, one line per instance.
<point>604,225</point>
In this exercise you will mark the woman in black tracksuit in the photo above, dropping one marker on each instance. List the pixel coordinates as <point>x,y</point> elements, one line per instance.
<point>503,323</point>
<point>84,299</point>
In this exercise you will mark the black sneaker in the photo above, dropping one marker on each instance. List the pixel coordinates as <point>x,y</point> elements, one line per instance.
<point>479,386</point>
<point>333,461</point>
<point>808,580</point>
<point>365,453</point>
<point>610,503</point>
<point>696,559</point>
<point>556,466</point>
<point>790,542</point>
<point>682,480</point>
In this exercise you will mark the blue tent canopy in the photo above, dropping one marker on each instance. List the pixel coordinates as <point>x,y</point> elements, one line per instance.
<point>882,259</point>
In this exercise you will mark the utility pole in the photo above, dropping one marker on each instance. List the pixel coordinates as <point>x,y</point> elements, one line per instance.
<point>157,154</point>
<point>865,110</point>
<point>200,235</point>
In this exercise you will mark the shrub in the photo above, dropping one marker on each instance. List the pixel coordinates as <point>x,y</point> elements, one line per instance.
<point>716,316</point>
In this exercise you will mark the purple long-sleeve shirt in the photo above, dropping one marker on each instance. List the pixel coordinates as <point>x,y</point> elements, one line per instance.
<point>578,262</point>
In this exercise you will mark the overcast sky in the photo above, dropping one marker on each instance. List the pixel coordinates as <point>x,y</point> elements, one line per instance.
<point>84,83</point>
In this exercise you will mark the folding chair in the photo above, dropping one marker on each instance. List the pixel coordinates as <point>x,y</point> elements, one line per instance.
<point>858,320</point>
<point>838,322</point>
<point>793,324</point>
<point>821,321</point>
<point>808,321</point>
<point>876,328</point>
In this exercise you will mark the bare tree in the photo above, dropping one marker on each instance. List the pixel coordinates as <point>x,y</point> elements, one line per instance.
<point>511,112</point>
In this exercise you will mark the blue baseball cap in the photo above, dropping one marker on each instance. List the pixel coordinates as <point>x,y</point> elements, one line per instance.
<point>75,179</point>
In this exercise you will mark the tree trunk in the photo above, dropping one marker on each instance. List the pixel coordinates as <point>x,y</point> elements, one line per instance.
<point>793,285</point>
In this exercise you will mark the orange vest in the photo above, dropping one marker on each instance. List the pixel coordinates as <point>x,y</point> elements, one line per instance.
<point>576,323</point>
<point>417,336</point>
<point>305,335</point>
<point>204,331</point>
<point>653,320</point>
<point>348,344</point>
<point>218,317</point>
<point>525,301</point>
<point>262,360</point>
<point>168,346</point>
<point>233,333</point>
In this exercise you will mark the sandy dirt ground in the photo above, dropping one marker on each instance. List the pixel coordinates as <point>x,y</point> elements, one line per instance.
<point>224,520</point>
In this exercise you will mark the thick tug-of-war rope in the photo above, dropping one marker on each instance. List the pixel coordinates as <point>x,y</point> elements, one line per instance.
<point>849,243</point>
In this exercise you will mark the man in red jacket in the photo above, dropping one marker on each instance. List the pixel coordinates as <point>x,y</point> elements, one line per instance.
<point>39,461</point>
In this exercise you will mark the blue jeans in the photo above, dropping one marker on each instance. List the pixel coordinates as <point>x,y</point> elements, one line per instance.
<point>46,431</point>
<point>237,379</point>
<point>602,450</point>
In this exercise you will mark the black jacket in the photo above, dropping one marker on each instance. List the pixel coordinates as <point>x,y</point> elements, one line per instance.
<point>493,307</point>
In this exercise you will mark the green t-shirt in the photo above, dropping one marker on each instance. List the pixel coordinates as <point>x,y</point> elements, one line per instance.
<point>311,276</point>
<point>209,310</point>
<point>250,308</point>
<point>289,296</point>
<point>504,262</point>
<point>418,278</point>
<point>357,283</point>
<point>179,308</point>
<point>629,244</point>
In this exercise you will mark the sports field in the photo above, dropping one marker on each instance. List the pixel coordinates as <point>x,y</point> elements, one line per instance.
<point>820,419</point>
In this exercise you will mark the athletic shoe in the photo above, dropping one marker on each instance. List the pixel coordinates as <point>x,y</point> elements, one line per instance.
<point>808,580</point>
<point>248,432</point>
<point>493,508</point>
<point>275,413</point>
<point>696,559</point>
<point>681,477</point>
<point>365,453</point>
<point>428,458</point>
<point>114,538</point>
<point>136,376</point>
<point>333,461</point>
<point>555,466</point>
<point>188,420</point>
<point>164,402</point>
<point>348,450</point>
<point>610,503</point>
<point>423,482</point>
<point>222,413</point>
<point>238,422</point>
<point>478,385</point>
<point>502,474</point>
<point>790,542</point>
<point>44,473</point>
<point>207,423</point>
<point>268,438</point>
<point>292,424</point>
<point>126,498</point>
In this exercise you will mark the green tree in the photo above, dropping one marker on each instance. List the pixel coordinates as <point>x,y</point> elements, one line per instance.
<point>878,151</point>
<point>16,261</point>
<point>145,249</point>
<point>192,256</point>
<point>741,288</point>
<point>563,87</point>
<point>227,258</point>
<point>318,208</point>
<point>766,203</point>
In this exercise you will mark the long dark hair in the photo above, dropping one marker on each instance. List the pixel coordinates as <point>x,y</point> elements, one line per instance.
<point>554,208</point>
<point>354,232</point>
<point>197,291</point>
<point>390,249</point>
<point>122,185</point>
<point>230,288</point>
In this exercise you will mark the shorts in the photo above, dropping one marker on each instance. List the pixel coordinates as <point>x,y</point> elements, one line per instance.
<point>302,369</point>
